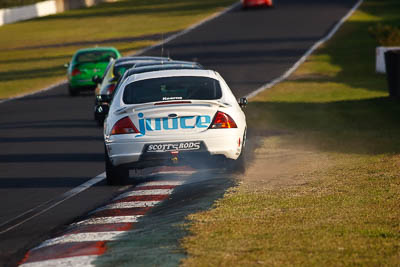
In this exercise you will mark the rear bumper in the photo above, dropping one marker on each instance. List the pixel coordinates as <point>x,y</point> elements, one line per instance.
<point>130,152</point>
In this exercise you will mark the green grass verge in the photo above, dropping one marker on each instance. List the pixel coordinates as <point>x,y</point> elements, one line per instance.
<point>36,50</point>
<point>335,108</point>
<point>348,217</point>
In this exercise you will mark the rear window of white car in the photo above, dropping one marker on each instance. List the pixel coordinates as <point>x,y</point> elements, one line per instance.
<point>172,88</point>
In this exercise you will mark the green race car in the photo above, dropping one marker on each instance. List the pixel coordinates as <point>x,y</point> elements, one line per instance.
<point>87,63</point>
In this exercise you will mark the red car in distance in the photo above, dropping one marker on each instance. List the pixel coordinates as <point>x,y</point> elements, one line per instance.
<point>253,3</point>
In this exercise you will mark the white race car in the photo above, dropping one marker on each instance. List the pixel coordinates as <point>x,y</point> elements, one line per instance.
<point>173,116</point>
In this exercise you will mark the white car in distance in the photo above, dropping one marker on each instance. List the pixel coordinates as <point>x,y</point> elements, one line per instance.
<point>173,116</point>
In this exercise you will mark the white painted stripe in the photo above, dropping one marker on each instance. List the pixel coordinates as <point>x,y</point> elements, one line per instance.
<point>128,205</point>
<point>107,220</point>
<point>81,237</point>
<point>306,55</point>
<point>61,199</point>
<point>79,261</point>
<point>150,192</point>
<point>170,172</point>
<point>160,183</point>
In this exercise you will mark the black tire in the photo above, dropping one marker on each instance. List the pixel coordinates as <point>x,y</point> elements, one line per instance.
<point>72,91</point>
<point>240,163</point>
<point>98,117</point>
<point>100,122</point>
<point>115,175</point>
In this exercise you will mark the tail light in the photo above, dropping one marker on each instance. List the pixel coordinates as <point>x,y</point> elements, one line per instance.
<point>124,126</point>
<point>110,88</point>
<point>75,72</point>
<point>222,120</point>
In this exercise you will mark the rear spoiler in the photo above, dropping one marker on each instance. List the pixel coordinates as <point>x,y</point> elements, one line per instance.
<point>133,107</point>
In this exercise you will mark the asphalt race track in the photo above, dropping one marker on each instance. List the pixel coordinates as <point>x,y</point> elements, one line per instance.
<point>50,144</point>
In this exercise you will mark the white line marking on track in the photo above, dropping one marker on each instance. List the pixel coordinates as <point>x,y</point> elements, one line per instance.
<point>78,261</point>
<point>306,55</point>
<point>128,205</point>
<point>160,183</point>
<point>81,237</point>
<point>149,192</point>
<point>61,199</point>
<point>107,220</point>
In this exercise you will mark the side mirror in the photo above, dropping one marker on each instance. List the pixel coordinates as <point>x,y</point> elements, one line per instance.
<point>102,110</point>
<point>101,113</point>
<point>97,79</point>
<point>66,65</point>
<point>243,102</point>
<point>104,99</point>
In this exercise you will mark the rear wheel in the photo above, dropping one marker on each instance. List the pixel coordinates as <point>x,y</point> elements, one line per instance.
<point>100,121</point>
<point>116,175</point>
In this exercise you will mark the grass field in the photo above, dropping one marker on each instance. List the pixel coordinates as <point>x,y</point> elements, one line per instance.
<point>32,53</point>
<point>334,196</point>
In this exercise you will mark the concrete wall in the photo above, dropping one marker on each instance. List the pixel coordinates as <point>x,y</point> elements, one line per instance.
<point>45,8</point>
<point>64,5</point>
<point>380,57</point>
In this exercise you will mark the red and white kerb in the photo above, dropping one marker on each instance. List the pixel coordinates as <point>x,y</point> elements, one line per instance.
<point>85,240</point>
